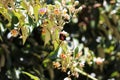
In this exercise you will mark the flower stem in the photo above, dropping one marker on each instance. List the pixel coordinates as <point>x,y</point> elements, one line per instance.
<point>85,74</point>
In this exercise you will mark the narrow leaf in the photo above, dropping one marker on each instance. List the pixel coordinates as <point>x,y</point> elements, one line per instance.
<point>25,33</point>
<point>76,51</point>
<point>24,5</point>
<point>47,36</point>
<point>36,11</point>
<point>31,76</point>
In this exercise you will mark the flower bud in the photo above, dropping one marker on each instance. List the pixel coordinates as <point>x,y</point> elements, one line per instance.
<point>56,64</point>
<point>56,11</point>
<point>42,11</point>
<point>98,60</point>
<point>76,3</point>
<point>67,78</point>
<point>63,56</point>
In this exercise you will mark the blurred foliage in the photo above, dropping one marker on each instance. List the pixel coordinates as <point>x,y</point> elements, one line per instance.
<point>57,39</point>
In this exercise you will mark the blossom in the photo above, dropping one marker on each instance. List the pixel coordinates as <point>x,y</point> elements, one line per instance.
<point>42,11</point>
<point>97,5</point>
<point>71,8</point>
<point>56,64</point>
<point>63,56</point>
<point>76,3</point>
<point>82,63</point>
<point>66,17</point>
<point>64,69</point>
<point>64,11</point>
<point>98,60</point>
<point>63,2</point>
<point>56,11</point>
<point>67,78</point>
<point>13,33</point>
<point>74,64</point>
<point>76,74</point>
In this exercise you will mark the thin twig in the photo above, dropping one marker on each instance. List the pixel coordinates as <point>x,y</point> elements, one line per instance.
<point>85,74</point>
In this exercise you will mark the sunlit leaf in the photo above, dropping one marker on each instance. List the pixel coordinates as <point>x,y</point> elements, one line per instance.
<point>47,36</point>
<point>36,11</point>
<point>20,17</point>
<point>46,61</point>
<point>30,75</point>
<point>115,73</point>
<point>5,13</point>
<point>76,51</point>
<point>55,35</point>
<point>109,49</point>
<point>50,23</point>
<point>54,53</point>
<point>24,5</point>
<point>25,33</point>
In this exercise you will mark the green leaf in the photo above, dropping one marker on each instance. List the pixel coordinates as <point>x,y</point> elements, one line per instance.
<point>76,51</point>
<point>31,76</point>
<point>54,54</point>
<point>55,34</point>
<point>50,23</point>
<point>24,5</point>
<point>115,73</point>
<point>14,21</point>
<point>25,33</point>
<point>47,36</point>
<point>36,11</point>
<point>5,13</point>
<point>46,61</point>
<point>20,17</point>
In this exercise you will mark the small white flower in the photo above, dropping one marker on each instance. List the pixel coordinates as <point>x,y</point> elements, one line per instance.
<point>67,78</point>
<point>75,20</point>
<point>64,11</point>
<point>9,35</point>
<point>99,60</point>
<point>68,72</point>
<point>75,64</point>
<point>93,74</point>
<point>76,3</point>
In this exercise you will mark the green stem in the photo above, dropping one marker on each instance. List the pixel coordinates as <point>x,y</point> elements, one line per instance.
<point>85,74</point>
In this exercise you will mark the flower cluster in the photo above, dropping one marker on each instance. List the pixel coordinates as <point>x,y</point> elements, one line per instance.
<point>71,60</point>
<point>53,17</point>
